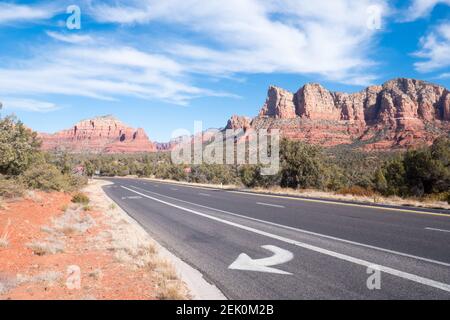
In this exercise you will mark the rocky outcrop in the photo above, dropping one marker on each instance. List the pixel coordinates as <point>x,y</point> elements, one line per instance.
<point>279,104</point>
<point>400,113</point>
<point>239,122</point>
<point>99,135</point>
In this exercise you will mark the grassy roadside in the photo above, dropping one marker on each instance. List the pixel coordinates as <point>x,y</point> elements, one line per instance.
<point>50,238</point>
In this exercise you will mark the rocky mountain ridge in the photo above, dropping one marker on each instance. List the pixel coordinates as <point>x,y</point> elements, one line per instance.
<point>398,114</point>
<point>104,134</point>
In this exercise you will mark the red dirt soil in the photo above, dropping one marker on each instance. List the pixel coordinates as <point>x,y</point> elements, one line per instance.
<point>102,276</point>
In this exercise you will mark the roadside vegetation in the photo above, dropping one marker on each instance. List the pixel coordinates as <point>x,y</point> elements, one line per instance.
<point>23,166</point>
<point>422,174</point>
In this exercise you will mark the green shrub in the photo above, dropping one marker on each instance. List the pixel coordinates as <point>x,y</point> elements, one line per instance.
<point>19,147</point>
<point>81,198</point>
<point>46,177</point>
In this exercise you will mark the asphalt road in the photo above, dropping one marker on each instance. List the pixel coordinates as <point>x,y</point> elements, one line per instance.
<point>271,247</point>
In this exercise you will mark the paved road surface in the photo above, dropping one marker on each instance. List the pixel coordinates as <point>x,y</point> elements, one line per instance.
<point>270,247</point>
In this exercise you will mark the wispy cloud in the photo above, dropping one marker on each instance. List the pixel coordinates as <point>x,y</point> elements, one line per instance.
<point>421,8</point>
<point>10,13</point>
<point>329,38</point>
<point>70,38</point>
<point>435,49</point>
<point>106,72</point>
<point>29,105</point>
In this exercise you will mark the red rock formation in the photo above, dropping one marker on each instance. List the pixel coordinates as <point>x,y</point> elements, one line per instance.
<point>400,113</point>
<point>99,135</point>
<point>279,104</point>
<point>239,122</point>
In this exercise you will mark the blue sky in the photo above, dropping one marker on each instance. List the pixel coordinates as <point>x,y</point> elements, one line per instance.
<point>161,65</point>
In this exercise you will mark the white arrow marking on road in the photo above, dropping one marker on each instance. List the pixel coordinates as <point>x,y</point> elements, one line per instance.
<point>244,262</point>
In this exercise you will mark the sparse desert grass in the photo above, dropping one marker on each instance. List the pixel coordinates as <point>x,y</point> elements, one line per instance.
<point>356,191</point>
<point>47,277</point>
<point>81,198</point>
<point>5,235</point>
<point>47,247</point>
<point>97,274</point>
<point>171,290</point>
<point>33,196</point>
<point>6,284</point>
<point>374,198</point>
<point>73,221</point>
<point>133,247</point>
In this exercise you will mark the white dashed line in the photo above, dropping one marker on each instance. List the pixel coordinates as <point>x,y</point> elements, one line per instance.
<point>344,257</point>
<point>205,194</point>
<point>434,229</point>
<point>270,205</point>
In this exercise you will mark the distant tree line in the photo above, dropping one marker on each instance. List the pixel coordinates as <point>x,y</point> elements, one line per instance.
<point>421,173</point>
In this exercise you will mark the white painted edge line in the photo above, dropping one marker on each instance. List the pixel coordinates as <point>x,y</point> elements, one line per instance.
<point>199,287</point>
<point>391,271</point>
<point>270,205</point>
<point>307,232</point>
<point>435,229</point>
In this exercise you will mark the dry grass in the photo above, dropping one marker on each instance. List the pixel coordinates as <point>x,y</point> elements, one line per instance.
<point>4,237</point>
<point>49,246</point>
<point>47,277</point>
<point>73,221</point>
<point>33,196</point>
<point>6,284</point>
<point>133,247</point>
<point>374,198</point>
<point>171,290</point>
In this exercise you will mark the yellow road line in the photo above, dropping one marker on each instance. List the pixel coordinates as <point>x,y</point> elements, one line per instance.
<point>342,204</point>
<point>310,200</point>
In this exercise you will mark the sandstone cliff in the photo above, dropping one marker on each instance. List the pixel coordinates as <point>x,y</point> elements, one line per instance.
<point>400,113</point>
<point>99,135</point>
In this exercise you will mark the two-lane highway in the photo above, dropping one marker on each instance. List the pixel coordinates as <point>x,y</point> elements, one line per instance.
<point>256,246</point>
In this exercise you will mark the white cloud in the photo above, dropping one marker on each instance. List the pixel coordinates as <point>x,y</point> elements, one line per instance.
<point>10,13</point>
<point>100,71</point>
<point>421,8</point>
<point>29,105</point>
<point>329,38</point>
<point>70,38</point>
<point>435,49</point>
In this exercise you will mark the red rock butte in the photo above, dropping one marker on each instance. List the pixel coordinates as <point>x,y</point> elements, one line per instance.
<point>399,114</point>
<point>103,134</point>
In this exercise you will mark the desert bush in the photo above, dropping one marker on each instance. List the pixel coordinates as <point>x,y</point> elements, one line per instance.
<point>19,147</point>
<point>302,165</point>
<point>45,177</point>
<point>81,198</point>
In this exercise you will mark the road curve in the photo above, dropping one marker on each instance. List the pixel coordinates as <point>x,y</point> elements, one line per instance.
<point>268,247</point>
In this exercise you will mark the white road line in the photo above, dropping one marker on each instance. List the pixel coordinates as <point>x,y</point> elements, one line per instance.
<point>174,189</point>
<point>270,205</point>
<point>367,264</point>
<point>434,229</point>
<point>205,194</point>
<point>306,231</point>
